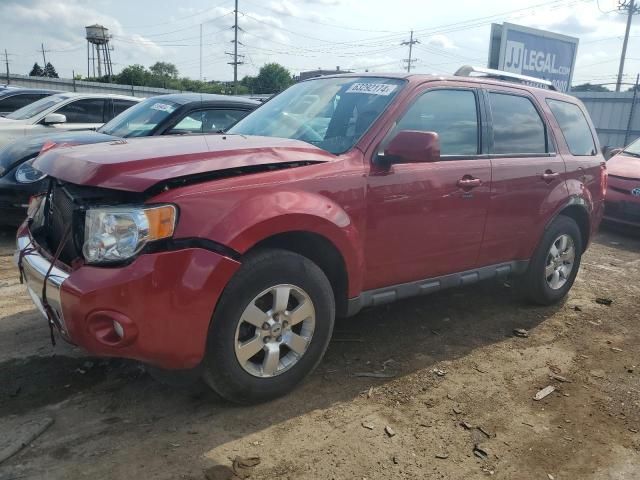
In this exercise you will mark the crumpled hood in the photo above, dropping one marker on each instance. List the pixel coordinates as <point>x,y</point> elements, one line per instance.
<point>28,147</point>
<point>622,165</point>
<point>137,164</point>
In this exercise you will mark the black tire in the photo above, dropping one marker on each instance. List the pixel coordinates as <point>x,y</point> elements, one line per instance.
<point>262,270</point>
<point>533,285</point>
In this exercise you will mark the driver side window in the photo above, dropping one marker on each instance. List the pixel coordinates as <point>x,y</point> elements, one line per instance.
<point>452,114</point>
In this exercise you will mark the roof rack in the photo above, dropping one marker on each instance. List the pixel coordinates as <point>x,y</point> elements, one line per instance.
<point>467,70</point>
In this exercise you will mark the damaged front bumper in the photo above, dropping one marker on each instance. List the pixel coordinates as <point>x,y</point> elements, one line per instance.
<point>42,278</point>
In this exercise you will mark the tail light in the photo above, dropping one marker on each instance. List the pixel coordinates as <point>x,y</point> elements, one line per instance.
<point>603,178</point>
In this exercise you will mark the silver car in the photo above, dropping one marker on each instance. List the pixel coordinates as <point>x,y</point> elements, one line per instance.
<point>64,111</point>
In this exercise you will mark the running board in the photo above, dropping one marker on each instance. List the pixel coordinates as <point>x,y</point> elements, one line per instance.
<point>380,296</point>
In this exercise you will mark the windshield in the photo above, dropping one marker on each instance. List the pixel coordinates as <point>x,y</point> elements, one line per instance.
<point>141,119</point>
<point>331,113</point>
<point>633,148</point>
<point>36,108</point>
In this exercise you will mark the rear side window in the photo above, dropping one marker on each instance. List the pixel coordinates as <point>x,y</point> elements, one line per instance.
<point>84,111</point>
<point>574,127</point>
<point>207,121</point>
<point>120,106</point>
<point>452,114</point>
<point>517,126</point>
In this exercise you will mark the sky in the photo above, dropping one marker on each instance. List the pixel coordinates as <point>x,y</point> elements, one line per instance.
<point>306,34</point>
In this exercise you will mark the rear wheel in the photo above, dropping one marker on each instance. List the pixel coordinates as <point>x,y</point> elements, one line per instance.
<point>271,327</point>
<point>555,263</point>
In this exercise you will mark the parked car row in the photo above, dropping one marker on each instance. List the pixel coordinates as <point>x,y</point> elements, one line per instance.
<point>176,114</point>
<point>229,256</point>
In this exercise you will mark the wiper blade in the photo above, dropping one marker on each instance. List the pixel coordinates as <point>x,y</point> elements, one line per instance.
<point>633,154</point>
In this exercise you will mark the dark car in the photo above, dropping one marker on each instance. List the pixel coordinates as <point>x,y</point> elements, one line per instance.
<point>178,114</point>
<point>231,255</point>
<point>12,99</point>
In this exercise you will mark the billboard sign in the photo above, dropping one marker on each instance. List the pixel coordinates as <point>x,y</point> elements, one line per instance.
<point>532,52</point>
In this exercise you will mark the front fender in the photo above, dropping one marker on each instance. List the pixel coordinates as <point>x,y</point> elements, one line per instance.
<point>243,223</point>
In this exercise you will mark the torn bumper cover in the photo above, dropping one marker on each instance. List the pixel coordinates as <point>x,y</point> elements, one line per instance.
<point>35,269</point>
<point>156,309</point>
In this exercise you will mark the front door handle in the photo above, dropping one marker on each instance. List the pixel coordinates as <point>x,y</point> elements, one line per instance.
<point>468,183</point>
<point>549,176</point>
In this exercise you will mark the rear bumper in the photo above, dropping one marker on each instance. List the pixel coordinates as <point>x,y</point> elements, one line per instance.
<point>156,309</point>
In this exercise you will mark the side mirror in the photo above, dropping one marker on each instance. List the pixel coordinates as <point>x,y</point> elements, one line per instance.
<point>413,146</point>
<point>54,118</point>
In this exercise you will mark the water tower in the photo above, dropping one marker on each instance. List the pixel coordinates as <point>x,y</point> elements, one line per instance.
<point>98,51</point>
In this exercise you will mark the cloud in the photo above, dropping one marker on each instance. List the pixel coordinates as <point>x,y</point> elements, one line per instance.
<point>60,26</point>
<point>290,9</point>
<point>441,41</point>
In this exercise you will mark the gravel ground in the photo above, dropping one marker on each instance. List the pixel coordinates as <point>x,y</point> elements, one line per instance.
<point>457,401</point>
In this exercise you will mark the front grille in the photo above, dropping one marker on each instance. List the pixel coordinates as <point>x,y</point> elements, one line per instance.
<point>60,217</point>
<point>65,207</point>
<point>631,210</point>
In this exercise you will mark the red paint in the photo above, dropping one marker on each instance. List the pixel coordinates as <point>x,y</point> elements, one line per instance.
<point>169,297</point>
<point>109,164</point>
<point>624,176</point>
<point>390,224</point>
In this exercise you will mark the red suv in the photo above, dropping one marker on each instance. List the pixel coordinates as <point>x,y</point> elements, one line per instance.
<point>231,255</point>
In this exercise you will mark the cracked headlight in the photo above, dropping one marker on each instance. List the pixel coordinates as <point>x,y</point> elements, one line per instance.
<point>116,234</point>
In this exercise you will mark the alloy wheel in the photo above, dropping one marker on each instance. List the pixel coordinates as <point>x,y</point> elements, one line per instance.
<point>274,330</point>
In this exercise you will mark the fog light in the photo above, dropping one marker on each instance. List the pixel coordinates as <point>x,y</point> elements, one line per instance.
<point>118,328</point>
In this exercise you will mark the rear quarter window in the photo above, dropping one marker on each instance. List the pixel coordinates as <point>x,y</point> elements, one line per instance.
<point>574,127</point>
<point>517,126</point>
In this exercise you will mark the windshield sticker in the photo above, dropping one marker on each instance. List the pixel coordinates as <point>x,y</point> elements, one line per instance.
<point>383,89</point>
<point>163,107</point>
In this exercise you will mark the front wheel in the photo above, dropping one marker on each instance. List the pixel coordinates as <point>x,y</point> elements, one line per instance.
<point>555,263</point>
<point>271,327</point>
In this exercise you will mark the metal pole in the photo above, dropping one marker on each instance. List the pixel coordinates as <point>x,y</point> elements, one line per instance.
<point>6,61</point>
<point>73,76</point>
<point>200,52</point>
<point>631,8</point>
<point>633,105</point>
<point>410,51</point>
<point>88,61</point>
<point>235,53</point>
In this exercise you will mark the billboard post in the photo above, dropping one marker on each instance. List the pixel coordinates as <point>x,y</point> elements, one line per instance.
<point>536,53</point>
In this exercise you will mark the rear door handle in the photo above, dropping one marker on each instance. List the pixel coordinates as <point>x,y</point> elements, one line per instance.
<point>466,182</point>
<point>549,176</point>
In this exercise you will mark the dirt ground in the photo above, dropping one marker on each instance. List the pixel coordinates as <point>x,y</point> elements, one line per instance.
<point>458,378</point>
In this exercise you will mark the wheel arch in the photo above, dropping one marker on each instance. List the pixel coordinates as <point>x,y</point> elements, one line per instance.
<point>321,251</point>
<point>578,210</point>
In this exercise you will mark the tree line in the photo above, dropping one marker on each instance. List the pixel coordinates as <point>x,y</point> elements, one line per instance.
<point>272,78</point>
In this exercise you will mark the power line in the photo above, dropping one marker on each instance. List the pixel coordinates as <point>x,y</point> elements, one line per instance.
<point>179,19</point>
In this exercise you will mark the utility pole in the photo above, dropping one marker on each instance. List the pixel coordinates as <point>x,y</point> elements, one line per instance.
<point>6,62</point>
<point>409,61</point>
<point>200,52</point>
<point>632,9</point>
<point>235,55</point>
<point>44,59</point>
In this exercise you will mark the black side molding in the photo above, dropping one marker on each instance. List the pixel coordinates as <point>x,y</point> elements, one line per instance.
<point>173,244</point>
<point>380,296</point>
